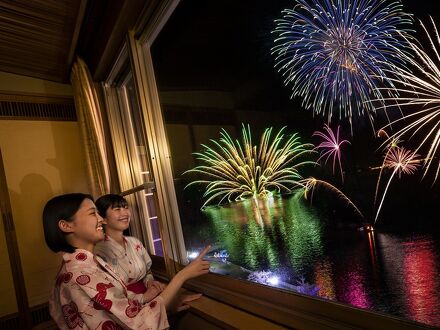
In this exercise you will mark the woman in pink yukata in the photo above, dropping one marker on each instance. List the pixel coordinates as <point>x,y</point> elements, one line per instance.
<point>126,254</point>
<point>87,293</point>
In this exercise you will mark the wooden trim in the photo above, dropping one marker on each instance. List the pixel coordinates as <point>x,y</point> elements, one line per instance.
<point>118,69</point>
<point>287,308</point>
<point>156,15</point>
<point>169,220</point>
<point>75,35</point>
<point>35,98</point>
<point>295,310</point>
<point>13,252</point>
<point>227,317</point>
<point>126,19</point>
<point>159,268</point>
<point>55,77</point>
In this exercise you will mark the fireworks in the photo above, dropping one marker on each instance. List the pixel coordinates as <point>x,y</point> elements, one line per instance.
<point>336,54</point>
<point>331,147</point>
<point>392,144</point>
<point>237,171</point>
<point>401,161</point>
<point>421,89</point>
<point>311,183</point>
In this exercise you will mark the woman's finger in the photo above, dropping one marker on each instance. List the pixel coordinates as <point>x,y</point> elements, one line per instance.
<point>204,252</point>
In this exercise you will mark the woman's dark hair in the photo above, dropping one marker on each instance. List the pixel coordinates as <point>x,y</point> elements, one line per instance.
<point>62,207</point>
<point>110,200</point>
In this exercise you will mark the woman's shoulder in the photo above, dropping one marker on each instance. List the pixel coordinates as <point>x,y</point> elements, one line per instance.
<point>102,244</point>
<point>133,240</point>
<point>80,260</point>
<point>101,247</point>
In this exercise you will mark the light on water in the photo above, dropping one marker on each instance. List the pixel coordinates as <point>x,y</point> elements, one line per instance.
<point>285,243</point>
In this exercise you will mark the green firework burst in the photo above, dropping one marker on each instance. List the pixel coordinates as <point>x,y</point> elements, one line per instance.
<point>234,170</point>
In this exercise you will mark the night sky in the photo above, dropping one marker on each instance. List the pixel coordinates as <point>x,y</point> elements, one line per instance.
<point>225,46</point>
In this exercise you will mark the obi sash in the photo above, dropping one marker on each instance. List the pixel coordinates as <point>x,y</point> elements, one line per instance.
<point>137,287</point>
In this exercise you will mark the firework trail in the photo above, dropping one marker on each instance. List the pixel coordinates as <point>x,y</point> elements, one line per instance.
<point>392,144</point>
<point>311,183</point>
<point>331,147</point>
<point>336,54</point>
<point>401,161</point>
<point>421,89</point>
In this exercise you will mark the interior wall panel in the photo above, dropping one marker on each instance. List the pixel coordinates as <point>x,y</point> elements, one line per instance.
<point>41,159</point>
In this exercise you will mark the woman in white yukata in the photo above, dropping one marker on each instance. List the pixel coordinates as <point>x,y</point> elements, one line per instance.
<point>126,254</point>
<point>87,293</point>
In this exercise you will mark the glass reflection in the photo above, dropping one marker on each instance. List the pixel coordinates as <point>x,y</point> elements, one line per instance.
<point>277,234</point>
<point>286,243</point>
<point>420,272</point>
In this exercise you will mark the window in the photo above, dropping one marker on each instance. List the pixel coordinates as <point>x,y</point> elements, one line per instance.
<point>133,161</point>
<point>214,72</point>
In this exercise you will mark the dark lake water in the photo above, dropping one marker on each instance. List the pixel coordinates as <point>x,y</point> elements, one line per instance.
<point>392,272</point>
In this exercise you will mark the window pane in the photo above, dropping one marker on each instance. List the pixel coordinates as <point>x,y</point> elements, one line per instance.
<point>143,203</point>
<point>268,220</point>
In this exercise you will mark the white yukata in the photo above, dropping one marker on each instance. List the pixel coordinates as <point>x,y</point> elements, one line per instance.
<point>89,295</point>
<point>131,262</point>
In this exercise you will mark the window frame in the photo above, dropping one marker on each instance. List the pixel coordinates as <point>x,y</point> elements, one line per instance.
<point>283,307</point>
<point>116,103</point>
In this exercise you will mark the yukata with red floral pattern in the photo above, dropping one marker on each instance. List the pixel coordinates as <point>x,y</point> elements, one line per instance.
<point>88,294</point>
<point>131,262</point>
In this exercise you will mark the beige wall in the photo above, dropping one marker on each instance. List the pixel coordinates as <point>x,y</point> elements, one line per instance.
<point>38,164</point>
<point>41,159</point>
<point>16,84</point>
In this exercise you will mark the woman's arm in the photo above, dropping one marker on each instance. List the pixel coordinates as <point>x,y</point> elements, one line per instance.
<point>196,268</point>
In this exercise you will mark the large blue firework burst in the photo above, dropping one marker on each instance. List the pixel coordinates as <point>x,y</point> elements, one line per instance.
<point>335,53</point>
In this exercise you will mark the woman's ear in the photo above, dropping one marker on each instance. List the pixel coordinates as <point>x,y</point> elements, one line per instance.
<point>65,226</point>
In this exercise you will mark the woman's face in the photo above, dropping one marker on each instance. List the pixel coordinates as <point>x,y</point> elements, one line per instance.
<point>117,218</point>
<point>86,226</point>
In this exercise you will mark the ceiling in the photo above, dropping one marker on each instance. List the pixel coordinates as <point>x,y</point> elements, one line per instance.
<point>40,38</point>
